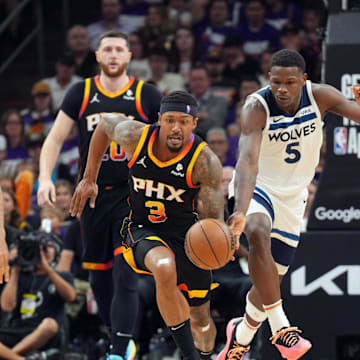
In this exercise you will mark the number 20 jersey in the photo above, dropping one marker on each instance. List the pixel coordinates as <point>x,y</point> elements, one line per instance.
<point>290,147</point>
<point>162,194</point>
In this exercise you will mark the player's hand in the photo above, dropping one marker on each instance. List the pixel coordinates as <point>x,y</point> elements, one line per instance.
<point>4,259</point>
<point>86,189</point>
<point>46,195</point>
<point>356,90</point>
<point>237,222</point>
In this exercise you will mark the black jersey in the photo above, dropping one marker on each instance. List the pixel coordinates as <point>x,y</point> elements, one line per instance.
<point>162,193</point>
<point>87,99</point>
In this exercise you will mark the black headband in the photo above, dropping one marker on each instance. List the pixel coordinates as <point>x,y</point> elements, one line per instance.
<point>187,109</point>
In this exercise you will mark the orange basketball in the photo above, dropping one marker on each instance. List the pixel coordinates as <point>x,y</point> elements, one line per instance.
<point>209,244</point>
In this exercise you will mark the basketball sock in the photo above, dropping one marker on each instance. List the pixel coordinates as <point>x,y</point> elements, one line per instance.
<point>102,286</point>
<point>276,316</point>
<point>182,336</point>
<point>124,305</point>
<point>245,332</point>
<point>205,355</point>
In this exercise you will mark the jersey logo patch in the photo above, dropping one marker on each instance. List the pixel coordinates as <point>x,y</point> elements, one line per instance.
<point>142,162</point>
<point>129,95</point>
<point>95,99</point>
<point>178,170</point>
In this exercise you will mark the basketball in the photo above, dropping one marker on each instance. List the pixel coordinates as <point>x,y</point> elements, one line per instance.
<point>209,244</point>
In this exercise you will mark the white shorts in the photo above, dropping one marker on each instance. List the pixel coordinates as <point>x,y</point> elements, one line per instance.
<point>286,216</point>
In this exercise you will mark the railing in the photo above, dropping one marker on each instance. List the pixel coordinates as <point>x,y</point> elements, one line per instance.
<point>38,32</point>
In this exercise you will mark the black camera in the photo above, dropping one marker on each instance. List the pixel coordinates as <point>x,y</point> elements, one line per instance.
<point>28,246</point>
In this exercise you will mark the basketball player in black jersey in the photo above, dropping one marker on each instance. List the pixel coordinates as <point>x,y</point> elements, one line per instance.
<point>170,170</point>
<point>112,91</point>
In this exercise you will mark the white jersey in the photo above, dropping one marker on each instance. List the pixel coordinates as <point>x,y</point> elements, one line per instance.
<point>290,147</point>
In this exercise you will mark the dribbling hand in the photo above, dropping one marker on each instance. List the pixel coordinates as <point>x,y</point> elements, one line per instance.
<point>356,90</point>
<point>46,195</point>
<point>86,189</point>
<point>237,222</point>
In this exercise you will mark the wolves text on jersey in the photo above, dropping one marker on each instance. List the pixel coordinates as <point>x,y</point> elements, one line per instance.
<point>293,134</point>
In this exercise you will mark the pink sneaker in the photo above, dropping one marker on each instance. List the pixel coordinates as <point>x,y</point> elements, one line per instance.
<point>290,344</point>
<point>232,350</point>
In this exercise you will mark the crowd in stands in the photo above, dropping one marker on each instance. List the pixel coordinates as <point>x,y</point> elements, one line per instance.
<point>219,50</point>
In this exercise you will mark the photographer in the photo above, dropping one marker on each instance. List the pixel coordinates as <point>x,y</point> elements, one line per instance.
<point>35,296</point>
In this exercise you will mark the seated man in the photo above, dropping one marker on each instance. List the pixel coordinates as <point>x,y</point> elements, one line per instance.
<point>35,298</point>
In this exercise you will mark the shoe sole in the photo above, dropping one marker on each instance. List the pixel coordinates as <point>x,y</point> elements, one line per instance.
<point>132,350</point>
<point>229,329</point>
<point>299,355</point>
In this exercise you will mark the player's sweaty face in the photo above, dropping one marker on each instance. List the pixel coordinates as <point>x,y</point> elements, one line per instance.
<point>113,55</point>
<point>286,84</point>
<point>175,129</point>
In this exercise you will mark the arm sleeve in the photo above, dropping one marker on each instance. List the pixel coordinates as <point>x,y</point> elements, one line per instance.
<point>151,97</point>
<point>73,100</point>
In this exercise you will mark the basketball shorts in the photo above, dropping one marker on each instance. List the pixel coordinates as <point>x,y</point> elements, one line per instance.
<point>101,228</point>
<point>194,282</point>
<point>286,216</point>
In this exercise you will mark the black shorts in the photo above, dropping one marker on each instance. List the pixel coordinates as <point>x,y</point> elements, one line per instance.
<point>101,228</point>
<point>194,282</point>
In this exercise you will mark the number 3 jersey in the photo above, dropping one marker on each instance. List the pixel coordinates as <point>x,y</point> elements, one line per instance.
<point>290,147</point>
<point>162,194</point>
<point>84,103</point>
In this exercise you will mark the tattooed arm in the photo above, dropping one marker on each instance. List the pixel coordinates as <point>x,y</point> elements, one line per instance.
<point>208,172</point>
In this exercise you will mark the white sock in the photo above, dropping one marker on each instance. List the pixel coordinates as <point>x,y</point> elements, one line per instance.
<point>276,316</point>
<point>245,332</point>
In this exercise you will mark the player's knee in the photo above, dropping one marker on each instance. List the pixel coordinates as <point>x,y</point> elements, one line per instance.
<point>200,317</point>
<point>259,238</point>
<point>165,272</point>
<point>49,326</point>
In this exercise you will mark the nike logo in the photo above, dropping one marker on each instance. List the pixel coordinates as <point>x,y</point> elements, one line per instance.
<point>277,119</point>
<point>123,334</point>
<point>174,328</point>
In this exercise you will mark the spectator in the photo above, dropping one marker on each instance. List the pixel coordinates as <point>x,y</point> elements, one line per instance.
<point>64,190</point>
<point>63,80</point>
<point>7,182</point>
<point>256,34</point>
<point>213,34</point>
<point>238,64</point>
<point>179,14</point>
<point>218,143</point>
<point>139,64</point>
<point>39,117</point>
<point>248,85</point>
<point>280,13</point>
<point>78,44</point>
<point>4,166</point>
<point>311,24</point>
<point>212,109</point>
<point>156,30</point>
<point>184,52</point>
<point>265,61</point>
<point>56,217</point>
<point>36,302</point>
<point>111,20</point>
<point>165,81</point>
<point>11,212</point>
<point>220,85</point>
<point>12,126</point>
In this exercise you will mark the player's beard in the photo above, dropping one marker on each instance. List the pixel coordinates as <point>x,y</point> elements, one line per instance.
<point>105,69</point>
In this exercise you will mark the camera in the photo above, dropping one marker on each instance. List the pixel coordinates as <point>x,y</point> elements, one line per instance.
<point>29,244</point>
